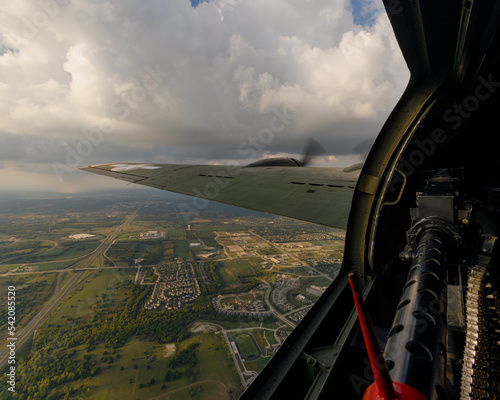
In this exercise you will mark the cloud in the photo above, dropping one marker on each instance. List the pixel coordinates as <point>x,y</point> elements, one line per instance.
<point>169,82</point>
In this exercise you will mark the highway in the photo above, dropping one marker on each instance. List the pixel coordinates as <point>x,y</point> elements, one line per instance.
<point>60,294</point>
<point>26,332</point>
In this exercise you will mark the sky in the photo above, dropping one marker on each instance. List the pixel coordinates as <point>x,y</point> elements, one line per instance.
<point>188,82</point>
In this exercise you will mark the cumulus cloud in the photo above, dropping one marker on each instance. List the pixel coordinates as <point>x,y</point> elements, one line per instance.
<point>170,82</point>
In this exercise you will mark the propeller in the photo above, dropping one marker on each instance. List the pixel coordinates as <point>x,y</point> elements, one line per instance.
<point>363,148</point>
<point>312,150</point>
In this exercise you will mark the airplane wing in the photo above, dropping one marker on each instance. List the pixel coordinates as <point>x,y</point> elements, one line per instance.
<point>319,195</point>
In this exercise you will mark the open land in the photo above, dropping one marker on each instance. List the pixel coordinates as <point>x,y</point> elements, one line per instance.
<point>119,297</point>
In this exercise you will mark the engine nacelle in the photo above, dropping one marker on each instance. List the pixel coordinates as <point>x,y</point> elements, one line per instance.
<point>276,162</point>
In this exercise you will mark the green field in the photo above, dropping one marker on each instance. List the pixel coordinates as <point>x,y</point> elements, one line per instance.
<point>181,249</point>
<point>34,251</point>
<point>8,267</point>
<point>270,337</point>
<point>247,346</point>
<point>122,253</point>
<point>155,251</point>
<point>49,266</point>
<point>99,291</point>
<point>223,227</point>
<point>295,270</point>
<point>145,225</point>
<point>174,233</point>
<point>144,248</point>
<point>269,251</point>
<point>257,365</point>
<point>89,322</point>
<point>259,338</point>
<point>32,292</point>
<point>232,269</point>
<point>305,283</point>
<point>236,325</point>
<point>141,362</point>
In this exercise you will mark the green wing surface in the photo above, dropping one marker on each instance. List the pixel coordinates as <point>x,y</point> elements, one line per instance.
<point>319,195</point>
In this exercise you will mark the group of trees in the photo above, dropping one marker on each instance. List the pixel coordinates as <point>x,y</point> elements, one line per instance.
<point>247,282</point>
<point>211,268</point>
<point>172,375</point>
<point>246,287</point>
<point>203,308</point>
<point>122,252</point>
<point>207,237</point>
<point>48,372</point>
<point>185,357</point>
<point>155,253</point>
<point>114,329</point>
<point>30,295</point>
<point>27,251</point>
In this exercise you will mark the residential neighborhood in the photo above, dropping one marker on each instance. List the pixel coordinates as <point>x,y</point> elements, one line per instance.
<point>175,287</point>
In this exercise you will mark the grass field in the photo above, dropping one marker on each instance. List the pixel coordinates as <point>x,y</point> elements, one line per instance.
<point>32,292</point>
<point>269,251</point>
<point>232,324</point>
<point>304,284</point>
<point>223,227</point>
<point>130,231</point>
<point>257,365</point>
<point>49,266</point>
<point>145,225</point>
<point>8,267</point>
<point>295,270</point>
<point>259,339</point>
<point>33,251</point>
<point>231,269</point>
<point>246,346</point>
<point>141,361</point>
<point>181,249</point>
<point>122,252</point>
<point>252,348</point>
<point>99,261</point>
<point>99,291</point>
<point>127,373</point>
<point>270,337</point>
<point>65,276</point>
<point>174,233</point>
<point>71,250</point>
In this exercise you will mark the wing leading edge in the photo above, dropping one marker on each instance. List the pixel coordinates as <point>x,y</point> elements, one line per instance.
<point>319,195</point>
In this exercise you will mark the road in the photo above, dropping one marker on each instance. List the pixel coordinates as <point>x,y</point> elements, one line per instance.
<point>81,269</point>
<point>101,249</point>
<point>235,355</point>
<point>228,257</point>
<point>292,256</point>
<point>26,332</point>
<point>86,265</point>
<point>59,295</point>
<point>275,312</point>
